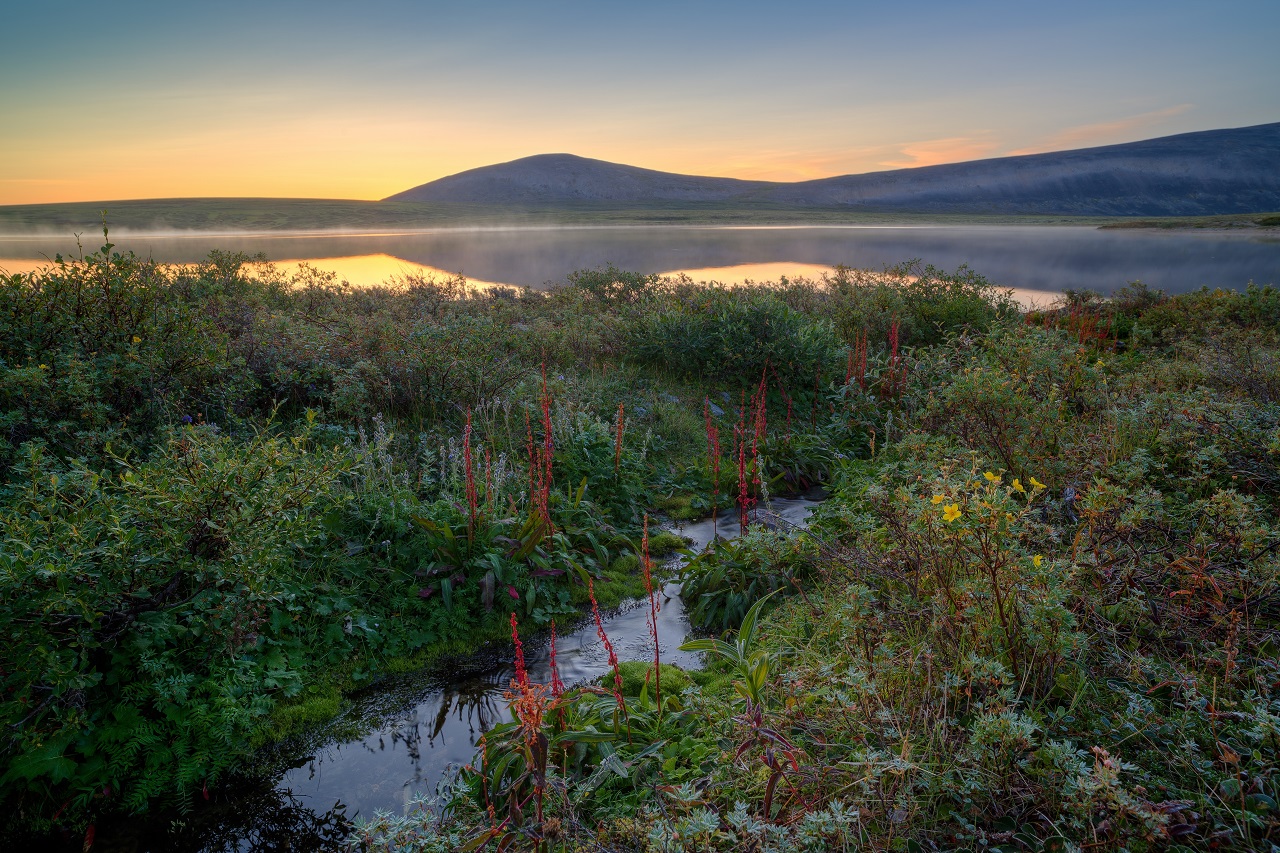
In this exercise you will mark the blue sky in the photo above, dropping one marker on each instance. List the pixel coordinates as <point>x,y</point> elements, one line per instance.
<point>360,100</point>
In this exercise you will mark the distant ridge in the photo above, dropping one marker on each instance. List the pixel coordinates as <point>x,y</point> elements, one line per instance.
<point>1205,173</point>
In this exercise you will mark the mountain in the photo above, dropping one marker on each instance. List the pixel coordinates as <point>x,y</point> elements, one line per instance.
<point>559,178</point>
<point>1192,174</point>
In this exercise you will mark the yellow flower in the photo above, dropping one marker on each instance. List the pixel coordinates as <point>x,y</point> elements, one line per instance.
<point>936,499</point>
<point>137,340</point>
<point>44,367</point>
<point>1037,560</point>
<point>1017,486</point>
<point>992,478</point>
<point>950,513</point>
<point>1036,484</point>
<point>1008,516</point>
<point>1098,364</point>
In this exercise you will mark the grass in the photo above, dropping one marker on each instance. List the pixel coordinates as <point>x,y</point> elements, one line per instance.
<point>1228,221</point>
<point>1038,611</point>
<point>258,215</point>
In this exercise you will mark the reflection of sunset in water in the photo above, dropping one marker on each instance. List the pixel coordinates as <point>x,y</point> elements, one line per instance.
<point>1041,260</point>
<point>355,269</point>
<point>376,269</point>
<point>379,268</point>
<point>774,272</point>
<point>742,273</point>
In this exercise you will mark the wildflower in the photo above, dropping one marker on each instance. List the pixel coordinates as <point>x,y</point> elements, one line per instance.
<point>1017,486</point>
<point>557,686</point>
<point>522,674</point>
<point>1098,364</point>
<point>992,477</point>
<point>608,646</point>
<point>937,499</point>
<point>1037,560</point>
<point>44,367</point>
<point>1036,484</point>
<point>137,340</point>
<point>950,512</point>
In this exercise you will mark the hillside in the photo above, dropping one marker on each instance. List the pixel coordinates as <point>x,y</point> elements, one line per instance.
<point>1192,174</point>
<point>568,178</point>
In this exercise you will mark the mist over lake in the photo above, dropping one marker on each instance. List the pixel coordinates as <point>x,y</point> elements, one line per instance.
<point>1038,261</point>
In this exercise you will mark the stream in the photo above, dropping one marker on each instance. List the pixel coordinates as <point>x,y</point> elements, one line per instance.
<point>402,738</point>
<point>411,749</point>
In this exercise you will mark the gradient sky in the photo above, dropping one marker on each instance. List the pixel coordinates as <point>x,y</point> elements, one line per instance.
<point>323,99</point>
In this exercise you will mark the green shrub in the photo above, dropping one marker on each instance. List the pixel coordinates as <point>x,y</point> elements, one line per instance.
<point>152,615</point>
<point>713,332</point>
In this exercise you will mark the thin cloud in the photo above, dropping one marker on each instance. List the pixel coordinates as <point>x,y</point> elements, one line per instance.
<point>932,152</point>
<point>793,165</point>
<point>1103,133</point>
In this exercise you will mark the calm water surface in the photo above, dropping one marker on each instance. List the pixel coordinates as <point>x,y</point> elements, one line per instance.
<point>402,738</point>
<point>412,744</point>
<point>1038,261</point>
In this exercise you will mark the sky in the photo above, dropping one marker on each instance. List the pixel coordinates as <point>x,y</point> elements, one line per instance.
<point>317,99</point>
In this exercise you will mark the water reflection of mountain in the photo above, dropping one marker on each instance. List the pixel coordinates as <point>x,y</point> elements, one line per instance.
<point>1034,257</point>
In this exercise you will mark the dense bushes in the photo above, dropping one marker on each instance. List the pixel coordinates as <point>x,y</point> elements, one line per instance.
<point>1050,551</point>
<point>713,333</point>
<point>1040,612</point>
<point>151,614</point>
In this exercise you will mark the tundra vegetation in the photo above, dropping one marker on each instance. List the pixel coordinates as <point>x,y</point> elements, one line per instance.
<point>1037,611</point>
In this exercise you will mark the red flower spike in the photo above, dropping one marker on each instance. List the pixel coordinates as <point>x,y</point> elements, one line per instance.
<point>647,564</point>
<point>608,646</point>
<point>557,686</point>
<point>522,674</point>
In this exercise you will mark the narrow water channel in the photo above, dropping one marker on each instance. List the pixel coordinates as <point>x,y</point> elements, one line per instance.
<point>401,738</point>
<point>409,750</point>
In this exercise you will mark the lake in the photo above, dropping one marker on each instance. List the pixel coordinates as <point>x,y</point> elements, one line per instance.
<point>1037,261</point>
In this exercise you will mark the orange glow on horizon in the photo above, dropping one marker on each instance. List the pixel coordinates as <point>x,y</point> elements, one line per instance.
<point>369,156</point>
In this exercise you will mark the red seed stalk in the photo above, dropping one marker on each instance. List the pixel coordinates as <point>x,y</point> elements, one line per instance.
<point>744,500</point>
<point>522,674</point>
<point>557,686</point>
<point>608,647</point>
<point>893,379</point>
<point>529,704</point>
<point>617,442</point>
<point>646,564</point>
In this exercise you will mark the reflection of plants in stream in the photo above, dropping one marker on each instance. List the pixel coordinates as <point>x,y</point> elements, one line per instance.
<point>560,740</point>
<point>720,584</point>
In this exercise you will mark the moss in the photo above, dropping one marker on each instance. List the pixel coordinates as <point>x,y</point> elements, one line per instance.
<point>678,507</point>
<point>635,673</point>
<point>665,542</point>
<point>297,717</point>
<point>711,681</point>
<point>625,565</point>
